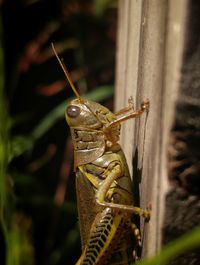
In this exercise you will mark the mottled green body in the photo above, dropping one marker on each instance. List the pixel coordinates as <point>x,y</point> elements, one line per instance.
<point>103,184</point>
<point>101,236</point>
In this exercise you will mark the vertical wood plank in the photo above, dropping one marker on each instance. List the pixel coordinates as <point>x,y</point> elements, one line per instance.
<point>150,37</point>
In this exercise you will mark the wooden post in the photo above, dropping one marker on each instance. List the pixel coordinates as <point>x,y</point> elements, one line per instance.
<point>150,44</point>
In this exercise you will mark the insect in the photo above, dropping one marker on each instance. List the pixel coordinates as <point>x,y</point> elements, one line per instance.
<point>103,183</point>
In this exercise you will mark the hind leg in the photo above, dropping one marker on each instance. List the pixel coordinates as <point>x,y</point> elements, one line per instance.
<point>103,231</point>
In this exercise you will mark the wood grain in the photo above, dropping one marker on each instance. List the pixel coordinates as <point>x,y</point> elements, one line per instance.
<point>150,44</point>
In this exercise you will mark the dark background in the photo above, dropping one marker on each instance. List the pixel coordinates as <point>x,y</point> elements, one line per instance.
<point>40,209</point>
<point>183,200</point>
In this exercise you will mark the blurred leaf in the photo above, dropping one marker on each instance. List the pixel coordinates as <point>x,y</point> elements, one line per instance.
<point>19,145</point>
<point>102,5</point>
<point>70,242</point>
<point>20,249</point>
<point>181,245</point>
<point>3,135</point>
<point>51,89</point>
<point>18,119</point>
<point>33,52</point>
<point>23,179</point>
<point>30,2</point>
<point>64,45</point>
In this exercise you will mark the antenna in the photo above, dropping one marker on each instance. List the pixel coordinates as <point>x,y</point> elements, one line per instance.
<point>64,68</point>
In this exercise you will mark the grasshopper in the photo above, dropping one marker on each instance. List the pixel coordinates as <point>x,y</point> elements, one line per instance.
<point>103,183</point>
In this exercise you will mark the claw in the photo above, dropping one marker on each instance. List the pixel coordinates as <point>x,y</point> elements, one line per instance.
<point>145,105</point>
<point>149,206</point>
<point>147,213</point>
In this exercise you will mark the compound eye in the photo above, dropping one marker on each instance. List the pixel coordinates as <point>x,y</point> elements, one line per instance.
<point>73,111</point>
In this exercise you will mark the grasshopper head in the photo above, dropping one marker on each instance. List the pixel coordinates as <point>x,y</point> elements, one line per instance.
<point>88,121</point>
<point>79,114</point>
<point>88,115</point>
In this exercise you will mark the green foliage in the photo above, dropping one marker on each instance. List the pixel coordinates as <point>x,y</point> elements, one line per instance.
<point>3,136</point>
<point>20,249</point>
<point>179,246</point>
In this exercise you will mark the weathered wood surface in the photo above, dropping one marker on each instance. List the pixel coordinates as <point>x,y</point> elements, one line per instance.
<point>150,44</point>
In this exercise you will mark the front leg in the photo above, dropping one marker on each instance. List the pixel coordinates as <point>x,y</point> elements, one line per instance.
<point>126,116</point>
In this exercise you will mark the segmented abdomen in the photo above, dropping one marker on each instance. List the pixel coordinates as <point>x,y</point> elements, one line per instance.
<point>108,242</point>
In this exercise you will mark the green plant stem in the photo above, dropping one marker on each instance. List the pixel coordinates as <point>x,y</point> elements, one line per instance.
<point>181,245</point>
<point>3,139</point>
